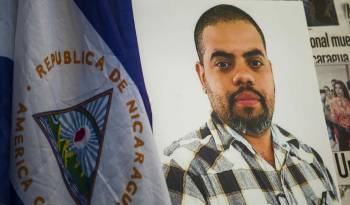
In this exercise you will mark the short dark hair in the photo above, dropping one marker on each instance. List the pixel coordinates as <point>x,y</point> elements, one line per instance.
<point>221,13</point>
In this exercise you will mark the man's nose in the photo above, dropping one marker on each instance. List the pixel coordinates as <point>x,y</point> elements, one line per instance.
<point>243,75</point>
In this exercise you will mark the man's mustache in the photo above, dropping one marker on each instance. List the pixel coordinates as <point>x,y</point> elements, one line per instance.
<point>232,97</point>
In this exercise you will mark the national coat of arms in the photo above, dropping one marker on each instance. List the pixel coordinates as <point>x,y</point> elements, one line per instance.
<point>76,136</point>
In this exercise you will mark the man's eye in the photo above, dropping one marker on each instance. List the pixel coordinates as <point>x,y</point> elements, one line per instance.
<point>223,65</point>
<point>255,63</point>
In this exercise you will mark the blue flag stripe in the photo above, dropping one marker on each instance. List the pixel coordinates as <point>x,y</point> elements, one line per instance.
<point>6,73</point>
<point>114,22</point>
<point>8,195</point>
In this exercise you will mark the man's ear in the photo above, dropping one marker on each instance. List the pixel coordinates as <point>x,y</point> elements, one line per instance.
<point>201,76</point>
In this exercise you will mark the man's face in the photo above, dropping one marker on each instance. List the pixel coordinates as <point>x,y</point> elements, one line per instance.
<point>333,83</point>
<point>237,77</point>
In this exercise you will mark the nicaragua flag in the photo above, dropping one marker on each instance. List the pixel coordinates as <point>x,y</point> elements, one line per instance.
<point>81,132</point>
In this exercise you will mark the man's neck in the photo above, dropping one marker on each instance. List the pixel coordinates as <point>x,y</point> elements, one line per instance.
<point>262,144</point>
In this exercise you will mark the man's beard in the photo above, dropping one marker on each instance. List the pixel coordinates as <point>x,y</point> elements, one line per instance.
<point>248,123</point>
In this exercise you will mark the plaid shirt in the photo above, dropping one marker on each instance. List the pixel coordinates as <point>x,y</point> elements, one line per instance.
<point>216,165</point>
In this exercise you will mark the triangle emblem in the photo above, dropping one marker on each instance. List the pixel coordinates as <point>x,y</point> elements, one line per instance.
<point>76,137</point>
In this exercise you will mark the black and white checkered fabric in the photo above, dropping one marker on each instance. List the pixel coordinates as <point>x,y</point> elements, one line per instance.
<point>215,165</point>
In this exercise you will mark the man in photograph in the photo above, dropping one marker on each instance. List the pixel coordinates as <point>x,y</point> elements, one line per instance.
<point>238,156</point>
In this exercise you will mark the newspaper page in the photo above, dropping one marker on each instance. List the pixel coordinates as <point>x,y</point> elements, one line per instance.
<point>329,28</point>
